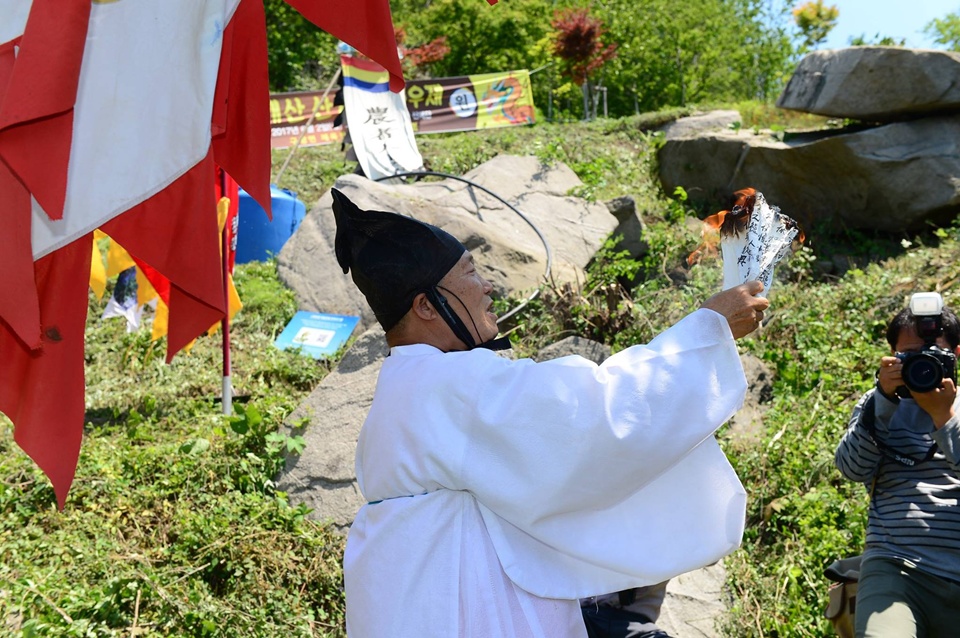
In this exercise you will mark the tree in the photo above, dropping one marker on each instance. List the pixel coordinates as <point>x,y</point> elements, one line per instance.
<point>945,31</point>
<point>417,60</point>
<point>679,52</point>
<point>877,40</point>
<point>578,43</point>
<point>815,21</point>
<point>299,54</point>
<point>486,39</point>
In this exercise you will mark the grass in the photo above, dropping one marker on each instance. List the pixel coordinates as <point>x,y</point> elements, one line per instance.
<point>174,528</point>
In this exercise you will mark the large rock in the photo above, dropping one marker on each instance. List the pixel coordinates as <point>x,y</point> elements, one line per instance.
<point>892,177</point>
<point>630,228</point>
<point>508,249</point>
<point>695,602</point>
<point>879,84</point>
<point>324,477</point>
<point>746,426</point>
<point>701,123</point>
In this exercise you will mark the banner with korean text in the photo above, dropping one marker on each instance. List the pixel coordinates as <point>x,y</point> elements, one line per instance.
<point>290,115</point>
<point>438,105</point>
<point>470,102</point>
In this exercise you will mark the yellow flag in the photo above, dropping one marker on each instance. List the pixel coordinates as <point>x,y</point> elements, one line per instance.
<point>118,259</point>
<point>161,317</point>
<point>98,274</point>
<point>233,298</point>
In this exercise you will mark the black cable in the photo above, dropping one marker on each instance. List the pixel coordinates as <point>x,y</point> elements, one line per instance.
<point>486,190</point>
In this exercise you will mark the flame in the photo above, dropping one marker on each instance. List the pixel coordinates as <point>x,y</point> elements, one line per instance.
<point>726,222</point>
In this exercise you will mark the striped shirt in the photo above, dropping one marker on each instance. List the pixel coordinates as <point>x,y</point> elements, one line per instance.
<point>915,510</point>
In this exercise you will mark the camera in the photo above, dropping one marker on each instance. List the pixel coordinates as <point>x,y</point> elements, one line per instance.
<point>923,371</point>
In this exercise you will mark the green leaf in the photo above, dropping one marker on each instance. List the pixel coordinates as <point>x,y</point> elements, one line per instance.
<point>195,446</point>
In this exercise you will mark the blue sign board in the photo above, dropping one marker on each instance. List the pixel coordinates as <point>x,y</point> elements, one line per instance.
<point>317,334</point>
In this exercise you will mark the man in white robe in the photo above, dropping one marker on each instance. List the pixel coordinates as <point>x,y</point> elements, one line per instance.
<point>501,492</point>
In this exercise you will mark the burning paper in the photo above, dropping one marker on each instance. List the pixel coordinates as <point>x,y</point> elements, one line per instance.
<point>754,236</point>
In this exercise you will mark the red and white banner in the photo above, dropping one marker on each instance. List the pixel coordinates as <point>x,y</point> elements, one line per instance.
<point>150,62</point>
<point>112,114</point>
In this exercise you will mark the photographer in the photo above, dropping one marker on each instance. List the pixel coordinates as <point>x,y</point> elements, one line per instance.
<point>903,443</point>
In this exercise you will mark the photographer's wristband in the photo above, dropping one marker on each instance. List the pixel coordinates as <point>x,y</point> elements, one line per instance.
<point>891,399</point>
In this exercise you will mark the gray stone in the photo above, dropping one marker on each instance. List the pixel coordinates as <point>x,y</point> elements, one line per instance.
<point>746,426</point>
<point>323,477</point>
<point>875,83</point>
<point>695,601</point>
<point>507,248</point>
<point>623,208</point>
<point>630,228</point>
<point>895,177</point>
<point>701,123</point>
<point>586,348</point>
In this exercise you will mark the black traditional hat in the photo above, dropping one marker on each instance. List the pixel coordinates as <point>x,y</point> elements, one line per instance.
<point>392,258</point>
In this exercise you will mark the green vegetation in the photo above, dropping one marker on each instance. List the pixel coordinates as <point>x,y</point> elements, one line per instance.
<point>945,31</point>
<point>667,52</point>
<point>173,526</point>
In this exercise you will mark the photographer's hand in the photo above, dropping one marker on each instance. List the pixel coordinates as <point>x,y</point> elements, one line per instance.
<point>938,403</point>
<point>740,306</point>
<point>889,376</point>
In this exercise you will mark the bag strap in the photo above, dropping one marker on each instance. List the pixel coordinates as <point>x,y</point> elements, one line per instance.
<point>868,418</point>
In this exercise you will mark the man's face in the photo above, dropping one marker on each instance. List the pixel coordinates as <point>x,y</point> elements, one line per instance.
<point>473,292</point>
<point>909,341</point>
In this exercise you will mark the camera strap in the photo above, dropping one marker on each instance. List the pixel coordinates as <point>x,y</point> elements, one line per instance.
<point>868,418</point>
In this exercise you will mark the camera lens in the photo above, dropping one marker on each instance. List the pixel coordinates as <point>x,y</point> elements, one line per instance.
<point>922,373</point>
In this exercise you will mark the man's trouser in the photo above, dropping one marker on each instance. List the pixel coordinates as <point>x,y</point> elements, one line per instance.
<point>898,601</point>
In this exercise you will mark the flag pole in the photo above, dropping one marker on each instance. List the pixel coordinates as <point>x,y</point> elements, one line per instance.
<point>226,396</point>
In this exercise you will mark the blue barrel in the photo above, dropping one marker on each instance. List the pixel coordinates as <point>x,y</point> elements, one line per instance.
<point>259,238</point>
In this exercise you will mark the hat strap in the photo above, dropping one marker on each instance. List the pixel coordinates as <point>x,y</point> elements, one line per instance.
<point>450,317</point>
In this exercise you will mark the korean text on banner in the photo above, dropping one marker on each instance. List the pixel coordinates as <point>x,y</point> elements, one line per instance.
<point>470,102</point>
<point>379,124</point>
<point>290,112</point>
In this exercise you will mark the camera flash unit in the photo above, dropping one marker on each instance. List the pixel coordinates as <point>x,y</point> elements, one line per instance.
<point>924,304</point>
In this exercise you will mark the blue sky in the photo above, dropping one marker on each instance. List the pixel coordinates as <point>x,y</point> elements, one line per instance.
<point>895,18</point>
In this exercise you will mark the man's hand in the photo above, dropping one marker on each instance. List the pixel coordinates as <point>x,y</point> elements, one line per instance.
<point>741,307</point>
<point>889,377</point>
<point>938,403</point>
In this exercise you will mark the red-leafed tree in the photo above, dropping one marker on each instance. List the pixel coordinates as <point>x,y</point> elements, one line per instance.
<point>417,59</point>
<point>578,43</point>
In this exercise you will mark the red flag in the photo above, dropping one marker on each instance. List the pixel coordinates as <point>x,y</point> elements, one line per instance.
<point>241,105</point>
<point>36,117</point>
<point>42,390</point>
<point>19,307</point>
<point>366,25</point>
<point>227,187</point>
<point>175,231</point>
<point>161,285</point>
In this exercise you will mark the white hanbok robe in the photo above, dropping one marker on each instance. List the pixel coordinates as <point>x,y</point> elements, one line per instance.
<point>500,492</point>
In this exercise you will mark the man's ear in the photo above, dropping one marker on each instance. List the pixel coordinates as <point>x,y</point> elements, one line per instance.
<point>423,308</point>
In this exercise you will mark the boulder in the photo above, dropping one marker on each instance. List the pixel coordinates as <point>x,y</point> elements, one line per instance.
<point>895,177</point>
<point>746,426</point>
<point>630,227</point>
<point>586,348</point>
<point>700,123</point>
<point>509,249</point>
<point>878,84</point>
<point>324,477</point>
